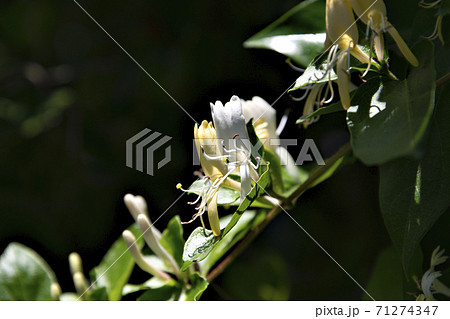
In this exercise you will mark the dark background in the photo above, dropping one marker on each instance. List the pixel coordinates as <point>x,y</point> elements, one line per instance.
<point>70,98</point>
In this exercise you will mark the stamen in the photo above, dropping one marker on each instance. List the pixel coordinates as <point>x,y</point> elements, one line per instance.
<point>426,5</point>
<point>179,186</point>
<point>307,89</point>
<point>216,157</point>
<point>330,89</point>
<point>283,122</point>
<point>294,67</point>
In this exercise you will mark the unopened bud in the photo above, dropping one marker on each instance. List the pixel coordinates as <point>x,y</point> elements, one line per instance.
<point>152,241</point>
<point>139,258</point>
<point>75,263</point>
<point>55,291</point>
<point>80,282</point>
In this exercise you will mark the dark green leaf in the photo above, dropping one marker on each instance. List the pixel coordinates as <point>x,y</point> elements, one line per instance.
<point>116,267</point>
<point>388,119</point>
<point>276,175</point>
<point>335,107</point>
<point>172,239</point>
<point>298,34</point>
<point>414,193</point>
<point>388,281</point>
<point>24,275</point>
<point>257,190</point>
<point>163,293</point>
<point>247,222</point>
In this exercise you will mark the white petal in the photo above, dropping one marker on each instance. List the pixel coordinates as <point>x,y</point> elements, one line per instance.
<point>246,182</point>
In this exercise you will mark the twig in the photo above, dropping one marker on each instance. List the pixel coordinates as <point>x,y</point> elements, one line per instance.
<point>443,79</point>
<point>275,211</point>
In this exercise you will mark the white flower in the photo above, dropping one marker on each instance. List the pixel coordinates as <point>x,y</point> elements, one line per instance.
<point>264,120</point>
<point>429,283</point>
<point>232,133</point>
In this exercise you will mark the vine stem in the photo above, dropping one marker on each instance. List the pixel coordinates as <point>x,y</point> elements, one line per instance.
<point>315,175</point>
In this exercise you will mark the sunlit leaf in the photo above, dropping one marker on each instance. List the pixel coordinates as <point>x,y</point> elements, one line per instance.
<point>24,275</point>
<point>172,239</point>
<point>116,266</point>
<point>298,34</point>
<point>389,119</point>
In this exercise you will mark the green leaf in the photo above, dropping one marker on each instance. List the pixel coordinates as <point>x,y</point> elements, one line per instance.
<point>198,285</point>
<point>388,119</point>
<point>97,294</point>
<point>276,175</point>
<point>388,282</point>
<point>226,196</point>
<point>172,239</point>
<point>333,108</point>
<point>298,34</point>
<point>163,293</point>
<point>247,222</point>
<point>201,241</point>
<point>316,72</point>
<point>199,244</point>
<point>257,190</point>
<point>415,193</point>
<point>24,275</point>
<point>116,267</point>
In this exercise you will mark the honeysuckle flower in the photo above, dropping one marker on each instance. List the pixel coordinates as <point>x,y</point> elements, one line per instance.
<point>264,120</point>
<point>138,209</point>
<point>145,226</point>
<point>76,269</point>
<point>373,14</point>
<point>341,28</point>
<point>130,240</point>
<point>137,205</point>
<point>343,74</point>
<point>216,173</point>
<point>264,117</point>
<point>232,133</point>
<point>429,283</point>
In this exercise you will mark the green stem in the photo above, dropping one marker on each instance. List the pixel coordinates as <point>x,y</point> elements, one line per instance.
<point>276,210</point>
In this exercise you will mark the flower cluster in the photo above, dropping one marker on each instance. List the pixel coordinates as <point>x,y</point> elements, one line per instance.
<point>225,152</point>
<point>138,209</point>
<point>342,41</point>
